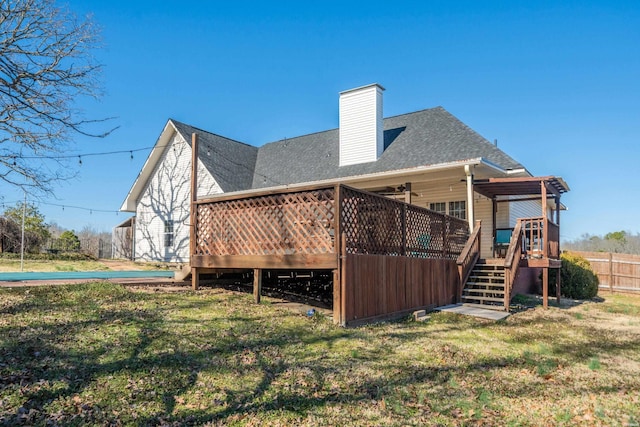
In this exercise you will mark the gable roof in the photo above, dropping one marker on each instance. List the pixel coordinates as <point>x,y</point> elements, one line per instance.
<point>423,138</point>
<point>230,162</point>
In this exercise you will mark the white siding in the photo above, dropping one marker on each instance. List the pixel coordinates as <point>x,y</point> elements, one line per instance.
<point>361,132</point>
<point>166,197</point>
<point>524,209</point>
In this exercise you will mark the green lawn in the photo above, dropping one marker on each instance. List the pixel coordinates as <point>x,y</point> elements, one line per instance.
<point>101,354</point>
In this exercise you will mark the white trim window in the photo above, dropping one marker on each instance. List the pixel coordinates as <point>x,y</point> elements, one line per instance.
<point>458,209</point>
<point>440,207</point>
<point>168,234</point>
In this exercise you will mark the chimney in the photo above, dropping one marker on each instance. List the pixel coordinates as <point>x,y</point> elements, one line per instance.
<point>361,133</point>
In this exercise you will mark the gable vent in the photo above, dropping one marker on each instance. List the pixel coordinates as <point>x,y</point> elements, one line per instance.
<point>361,132</point>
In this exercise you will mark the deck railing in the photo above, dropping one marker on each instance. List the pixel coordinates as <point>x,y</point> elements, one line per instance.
<point>307,221</point>
<point>270,224</point>
<point>469,256</point>
<point>512,259</point>
<point>377,225</point>
<point>541,238</point>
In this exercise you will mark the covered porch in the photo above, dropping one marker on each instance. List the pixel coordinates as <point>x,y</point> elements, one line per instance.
<point>533,242</point>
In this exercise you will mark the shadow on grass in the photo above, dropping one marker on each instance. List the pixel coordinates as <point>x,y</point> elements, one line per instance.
<point>145,351</point>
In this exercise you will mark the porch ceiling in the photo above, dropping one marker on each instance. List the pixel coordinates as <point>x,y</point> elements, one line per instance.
<point>524,186</point>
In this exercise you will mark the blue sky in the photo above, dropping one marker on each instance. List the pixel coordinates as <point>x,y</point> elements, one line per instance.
<point>556,83</point>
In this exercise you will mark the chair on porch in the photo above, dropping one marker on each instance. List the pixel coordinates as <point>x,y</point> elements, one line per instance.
<point>422,243</point>
<point>501,244</point>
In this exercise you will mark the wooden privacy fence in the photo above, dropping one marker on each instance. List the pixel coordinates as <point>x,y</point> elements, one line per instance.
<point>387,256</point>
<point>616,272</point>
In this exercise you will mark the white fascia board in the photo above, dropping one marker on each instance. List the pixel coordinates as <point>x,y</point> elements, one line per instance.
<point>131,201</point>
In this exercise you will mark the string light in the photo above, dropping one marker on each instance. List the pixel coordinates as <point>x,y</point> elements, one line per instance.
<point>64,207</point>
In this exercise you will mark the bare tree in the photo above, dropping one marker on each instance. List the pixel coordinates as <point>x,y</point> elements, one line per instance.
<point>46,68</point>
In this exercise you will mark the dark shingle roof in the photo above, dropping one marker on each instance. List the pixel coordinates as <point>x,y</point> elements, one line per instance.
<point>422,138</point>
<point>230,162</point>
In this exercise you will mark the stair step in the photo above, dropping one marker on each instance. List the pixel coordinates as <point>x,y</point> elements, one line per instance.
<point>485,284</point>
<point>477,298</point>
<point>480,289</point>
<point>495,282</point>
<point>487,273</point>
<point>483,291</point>
<point>488,269</point>
<point>492,279</point>
<point>487,306</point>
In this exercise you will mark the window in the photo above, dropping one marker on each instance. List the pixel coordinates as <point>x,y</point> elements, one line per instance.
<point>168,234</point>
<point>440,207</point>
<point>458,209</point>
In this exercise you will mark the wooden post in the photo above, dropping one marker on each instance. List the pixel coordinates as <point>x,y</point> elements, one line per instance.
<point>610,272</point>
<point>343,280</point>
<point>257,284</point>
<point>544,232</point>
<point>195,278</point>
<point>558,222</point>
<point>545,287</point>
<point>338,248</point>
<point>558,284</point>
<point>407,193</point>
<point>407,200</point>
<point>403,225</point>
<point>507,290</point>
<point>494,215</point>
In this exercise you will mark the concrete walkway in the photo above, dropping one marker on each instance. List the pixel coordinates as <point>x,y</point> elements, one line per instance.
<point>474,311</point>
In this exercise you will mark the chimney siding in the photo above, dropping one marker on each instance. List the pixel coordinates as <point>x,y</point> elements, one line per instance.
<point>361,132</point>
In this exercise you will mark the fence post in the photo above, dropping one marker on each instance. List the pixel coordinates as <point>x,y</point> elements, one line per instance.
<point>610,272</point>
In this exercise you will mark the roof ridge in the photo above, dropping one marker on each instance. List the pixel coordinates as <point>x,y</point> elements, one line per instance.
<point>211,133</point>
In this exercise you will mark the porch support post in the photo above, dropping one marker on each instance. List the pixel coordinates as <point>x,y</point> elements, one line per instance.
<point>545,287</point>
<point>558,222</point>
<point>544,237</point>
<point>558,283</point>
<point>470,216</point>
<point>494,212</point>
<point>407,193</point>
<point>257,284</point>
<point>195,278</point>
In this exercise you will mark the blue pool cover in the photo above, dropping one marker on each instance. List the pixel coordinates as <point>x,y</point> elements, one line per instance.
<point>64,275</point>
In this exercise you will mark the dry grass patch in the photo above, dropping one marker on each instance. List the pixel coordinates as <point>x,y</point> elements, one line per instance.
<point>102,354</point>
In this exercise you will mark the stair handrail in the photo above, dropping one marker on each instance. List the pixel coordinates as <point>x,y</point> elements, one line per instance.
<point>512,262</point>
<point>469,256</point>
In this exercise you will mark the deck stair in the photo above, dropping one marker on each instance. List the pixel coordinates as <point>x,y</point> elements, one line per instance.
<point>485,287</point>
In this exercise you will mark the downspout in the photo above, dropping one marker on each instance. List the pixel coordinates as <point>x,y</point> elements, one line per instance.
<point>470,216</point>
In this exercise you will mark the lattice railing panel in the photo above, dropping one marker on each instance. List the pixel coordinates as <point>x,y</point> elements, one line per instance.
<point>374,224</point>
<point>280,224</point>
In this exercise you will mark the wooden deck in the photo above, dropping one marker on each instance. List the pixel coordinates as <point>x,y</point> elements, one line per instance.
<point>388,257</point>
